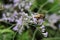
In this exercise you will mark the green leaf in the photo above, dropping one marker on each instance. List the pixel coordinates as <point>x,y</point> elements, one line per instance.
<point>6,34</point>
<point>24,36</point>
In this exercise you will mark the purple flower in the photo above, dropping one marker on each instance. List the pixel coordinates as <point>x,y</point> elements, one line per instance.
<point>19,22</point>
<point>15,13</point>
<point>16,1</point>
<point>7,6</point>
<point>40,21</point>
<point>34,19</point>
<point>15,28</point>
<point>4,17</point>
<point>27,7</point>
<point>11,19</point>
<point>53,18</point>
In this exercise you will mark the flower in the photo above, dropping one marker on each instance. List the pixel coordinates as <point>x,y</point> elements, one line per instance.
<point>45,34</point>
<point>34,20</point>
<point>15,13</point>
<point>22,9</point>
<point>40,21</point>
<point>8,14</point>
<point>15,28</point>
<point>53,18</point>
<point>10,19</point>
<point>27,7</point>
<point>8,6</point>
<point>16,1</point>
<point>30,3</point>
<point>4,17</point>
<point>16,4</point>
<point>59,26</point>
<point>23,3</point>
<point>51,1</point>
<point>42,27</point>
<point>19,22</point>
<point>43,30</point>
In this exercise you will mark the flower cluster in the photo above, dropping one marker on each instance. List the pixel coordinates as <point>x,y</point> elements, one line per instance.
<point>11,14</point>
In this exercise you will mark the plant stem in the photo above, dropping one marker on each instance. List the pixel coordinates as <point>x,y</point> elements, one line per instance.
<point>14,35</point>
<point>34,33</point>
<point>40,8</point>
<point>11,26</point>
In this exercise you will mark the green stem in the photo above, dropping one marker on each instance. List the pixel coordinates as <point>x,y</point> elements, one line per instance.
<point>40,8</point>
<point>14,36</point>
<point>54,7</point>
<point>11,26</point>
<point>34,34</point>
<point>6,22</point>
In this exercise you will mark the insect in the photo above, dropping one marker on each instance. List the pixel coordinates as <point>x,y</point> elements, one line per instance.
<point>39,16</point>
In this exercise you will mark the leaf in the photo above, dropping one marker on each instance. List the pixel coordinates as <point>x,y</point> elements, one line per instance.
<point>37,3</point>
<point>6,34</point>
<point>24,36</point>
